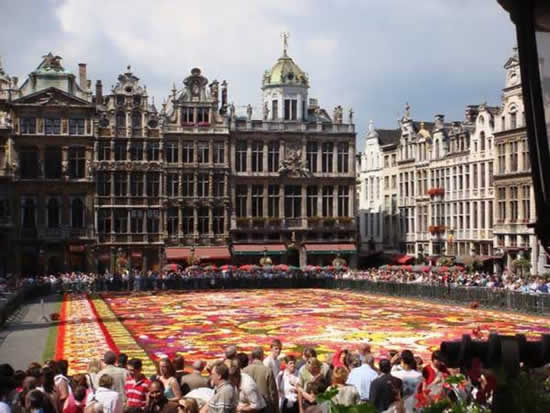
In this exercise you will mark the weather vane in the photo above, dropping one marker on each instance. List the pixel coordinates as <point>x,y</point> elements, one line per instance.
<point>284,37</point>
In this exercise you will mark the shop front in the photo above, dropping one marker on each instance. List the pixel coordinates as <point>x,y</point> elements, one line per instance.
<point>186,256</point>
<point>330,254</point>
<point>259,254</point>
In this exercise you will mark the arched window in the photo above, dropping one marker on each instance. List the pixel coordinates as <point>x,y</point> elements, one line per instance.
<point>481,121</point>
<point>77,213</point>
<point>53,213</point>
<point>136,120</point>
<point>482,141</point>
<point>28,214</point>
<point>120,120</point>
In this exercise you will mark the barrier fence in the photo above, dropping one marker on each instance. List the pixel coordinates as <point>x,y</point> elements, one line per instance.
<point>492,298</point>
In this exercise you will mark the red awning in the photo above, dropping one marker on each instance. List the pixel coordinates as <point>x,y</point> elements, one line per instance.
<point>258,249</point>
<point>331,248</point>
<point>204,253</point>
<point>137,254</point>
<point>405,259</point>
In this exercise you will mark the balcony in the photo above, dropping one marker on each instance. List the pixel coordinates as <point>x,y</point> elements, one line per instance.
<point>79,233</point>
<point>52,234</point>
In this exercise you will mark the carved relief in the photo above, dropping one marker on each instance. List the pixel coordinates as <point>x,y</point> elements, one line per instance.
<point>294,164</point>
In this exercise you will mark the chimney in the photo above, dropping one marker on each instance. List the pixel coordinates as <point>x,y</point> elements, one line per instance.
<point>82,80</point>
<point>98,93</point>
<point>439,121</point>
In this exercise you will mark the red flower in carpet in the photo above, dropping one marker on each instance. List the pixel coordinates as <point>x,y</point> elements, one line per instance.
<point>54,316</point>
<point>474,305</point>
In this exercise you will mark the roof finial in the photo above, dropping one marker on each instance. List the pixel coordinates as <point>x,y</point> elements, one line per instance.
<point>129,68</point>
<point>371,126</point>
<point>407,111</point>
<point>284,37</point>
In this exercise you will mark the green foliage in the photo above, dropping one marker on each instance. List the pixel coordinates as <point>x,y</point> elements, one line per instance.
<point>530,393</point>
<point>437,407</point>
<point>331,392</point>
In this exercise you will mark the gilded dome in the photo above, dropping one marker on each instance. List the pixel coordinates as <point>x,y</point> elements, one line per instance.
<point>285,73</point>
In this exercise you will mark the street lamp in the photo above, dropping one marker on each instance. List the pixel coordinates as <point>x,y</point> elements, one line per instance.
<point>532,20</point>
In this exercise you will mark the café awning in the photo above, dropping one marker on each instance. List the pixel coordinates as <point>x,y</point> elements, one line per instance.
<point>259,249</point>
<point>319,249</point>
<point>203,253</point>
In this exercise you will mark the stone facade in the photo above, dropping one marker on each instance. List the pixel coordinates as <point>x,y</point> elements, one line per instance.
<point>459,189</point>
<point>96,182</point>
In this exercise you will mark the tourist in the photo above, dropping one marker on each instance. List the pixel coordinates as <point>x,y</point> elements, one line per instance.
<point>122,361</point>
<point>38,402</point>
<point>226,397</point>
<point>117,373</point>
<point>347,393</point>
<point>287,381</point>
<point>263,376</point>
<point>361,377</point>
<point>167,375</point>
<point>157,402</point>
<point>195,379</point>
<point>242,359</point>
<point>410,378</point>
<point>94,367</point>
<point>250,399</point>
<point>47,385</point>
<point>272,361</point>
<point>109,399</point>
<point>382,393</point>
<point>62,385</point>
<point>179,367</point>
<point>188,406</point>
<point>308,397</point>
<point>312,383</point>
<point>137,385</point>
<point>230,354</point>
<point>364,351</point>
<point>304,372</point>
<point>7,386</point>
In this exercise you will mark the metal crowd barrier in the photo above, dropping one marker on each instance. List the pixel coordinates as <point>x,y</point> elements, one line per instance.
<point>17,298</point>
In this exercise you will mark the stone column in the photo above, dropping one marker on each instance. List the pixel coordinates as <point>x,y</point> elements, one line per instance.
<point>180,151</point>
<point>210,152</point>
<point>195,151</point>
<point>248,156</point>
<point>351,159</point>
<point>264,157</point>
<point>320,200</point>
<point>226,185</point>
<point>265,201</point>
<point>299,111</point>
<point>41,162</point>
<point>335,200</point>
<point>65,161</point>
<point>248,200</point>
<point>335,158</point>
<point>195,221</point>
<point>280,109</point>
<point>112,143</point>
<point>210,220</point>
<point>281,201</point>
<point>210,183</point>
<point>180,222</point>
<point>195,183</point>
<point>304,202</point>
<point>319,156</point>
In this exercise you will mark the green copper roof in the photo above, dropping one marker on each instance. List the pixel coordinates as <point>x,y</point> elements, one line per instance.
<point>285,72</point>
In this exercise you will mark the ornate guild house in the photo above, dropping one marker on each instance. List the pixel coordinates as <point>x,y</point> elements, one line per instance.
<point>106,182</point>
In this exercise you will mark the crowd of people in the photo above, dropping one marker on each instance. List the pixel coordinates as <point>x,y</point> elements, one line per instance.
<point>397,382</point>
<point>457,278</point>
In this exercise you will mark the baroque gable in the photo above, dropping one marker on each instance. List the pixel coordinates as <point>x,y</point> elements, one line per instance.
<point>51,97</point>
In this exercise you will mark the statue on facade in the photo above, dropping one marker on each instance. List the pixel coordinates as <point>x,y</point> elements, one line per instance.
<point>293,164</point>
<point>249,112</point>
<point>266,111</point>
<point>232,111</point>
<point>214,90</point>
<point>407,115</point>
<point>338,114</point>
<point>350,115</point>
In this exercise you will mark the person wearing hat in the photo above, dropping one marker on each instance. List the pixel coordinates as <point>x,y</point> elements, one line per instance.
<point>194,380</point>
<point>117,373</point>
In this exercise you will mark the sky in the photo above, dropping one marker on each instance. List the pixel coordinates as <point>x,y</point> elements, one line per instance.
<point>370,55</point>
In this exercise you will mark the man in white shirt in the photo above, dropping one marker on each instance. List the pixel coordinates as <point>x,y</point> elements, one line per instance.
<point>109,399</point>
<point>362,377</point>
<point>250,399</point>
<point>117,374</point>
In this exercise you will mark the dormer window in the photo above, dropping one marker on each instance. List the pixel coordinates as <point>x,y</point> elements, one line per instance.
<point>28,125</point>
<point>203,116</point>
<point>187,116</point>
<point>137,100</point>
<point>274,109</point>
<point>120,100</point>
<point>291,109</point>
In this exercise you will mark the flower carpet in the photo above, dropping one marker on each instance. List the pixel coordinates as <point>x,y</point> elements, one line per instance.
<point>201,324</point>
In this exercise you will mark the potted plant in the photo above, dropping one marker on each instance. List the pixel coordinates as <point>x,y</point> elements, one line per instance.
<point>329,221</point>
<point>242,221</point>
<point>258,221</point>
<point>313,221</point>
<point>345,220</point>
<point>274,221</point>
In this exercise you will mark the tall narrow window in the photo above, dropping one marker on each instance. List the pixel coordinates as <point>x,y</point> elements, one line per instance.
<point>171,152</point>
<point>153,221</point>
<point>514,203</point>
<point>219,186</point>
<point>172,221</point>
<point>203,116</point>
<point>120,120</point>
<point>77,213</point>
<point>53,157</point>
<point>274,110</point>
<point>475,177</point>
<point>136,151</point>
<point>188,185</point>
<point>103,183</point>
<point>241,192</point>
<point>219,152</point>
<point>136,122</point>
<point>172,183</point>
<point>343,157</point>
<point>77,163</point>
<point>120,184</point>
<point>501,204</point>
<point>328,204</point>
<point>526,192</point>
<point>273,201</point>
<point>120,151</point>
<point>218,221</point>
<point>188,152</point>
<point>28,162</point>
<point>273,156</point>
<point>257,156</point>
<point>28,125</point>
<point>121,221</point>
<point>104,221</point>
<point>153,184</point>
<point>482,174</point>
<point>104,151</point>
<point>513,120</point>
<point>203,220</point>
<point>514,151</point>
<point>240,155</point>
<point>312,196</point>
<point>202,189</point>
<point>293,201</point>
<point>326,157</point>
<point>311,155</point>
<point>188,220</point>
<point>482,141</point>
<point>257,200</point>
<point>187,116</point>
<point>53,213</point>
<point>203,155</point>
<point>153,151</point>
<point>525,156</point>
<point>136,184</point>
<point>136,221</point>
